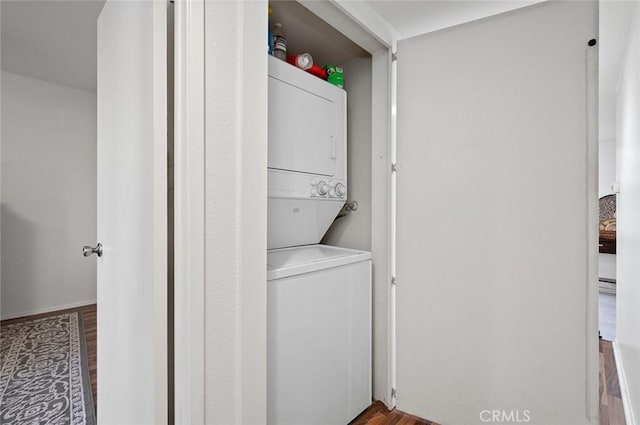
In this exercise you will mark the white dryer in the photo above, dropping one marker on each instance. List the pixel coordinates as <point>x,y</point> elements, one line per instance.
<point>307,155</point>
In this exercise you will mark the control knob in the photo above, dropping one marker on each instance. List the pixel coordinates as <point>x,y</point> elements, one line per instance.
<point>340,189</point>
<point>322,187</point>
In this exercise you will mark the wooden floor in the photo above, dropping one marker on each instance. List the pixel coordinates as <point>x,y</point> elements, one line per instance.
<point>378,414</point>
<point>611,409</point>
<point>90,337</point>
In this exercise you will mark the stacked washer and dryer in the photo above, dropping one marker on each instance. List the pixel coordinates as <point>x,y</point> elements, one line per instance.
<point>318,296</point>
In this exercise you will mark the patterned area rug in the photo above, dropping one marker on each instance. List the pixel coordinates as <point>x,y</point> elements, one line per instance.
<point>44,377</point>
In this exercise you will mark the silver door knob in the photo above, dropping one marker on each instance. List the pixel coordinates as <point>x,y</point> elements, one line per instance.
<point>88,250</point>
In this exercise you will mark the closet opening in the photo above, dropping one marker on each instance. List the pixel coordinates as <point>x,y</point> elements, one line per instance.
<point>327,271</point>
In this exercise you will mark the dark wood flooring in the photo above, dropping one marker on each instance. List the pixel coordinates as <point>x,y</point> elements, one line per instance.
<point>611,409</point>
<point>378,414</point>
<point>90,337</point>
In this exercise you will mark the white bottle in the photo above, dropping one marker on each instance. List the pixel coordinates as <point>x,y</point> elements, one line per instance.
<point>279,42</point>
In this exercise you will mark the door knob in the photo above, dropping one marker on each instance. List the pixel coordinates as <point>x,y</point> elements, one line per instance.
<point>88,250</point>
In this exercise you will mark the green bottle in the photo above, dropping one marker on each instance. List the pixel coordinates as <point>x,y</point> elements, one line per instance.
<point>335,75</point>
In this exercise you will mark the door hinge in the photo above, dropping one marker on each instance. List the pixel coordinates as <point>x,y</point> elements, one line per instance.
<point>394,281</point>
<point>394,56</point>
<point>394,167</point>
<point>393,393</point>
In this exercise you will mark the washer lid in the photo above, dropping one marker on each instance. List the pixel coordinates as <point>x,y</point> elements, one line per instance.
<point>286,262</point>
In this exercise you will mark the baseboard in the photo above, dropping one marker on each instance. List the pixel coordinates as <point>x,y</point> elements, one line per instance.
<point>47,309</point>
<point>624,389</point>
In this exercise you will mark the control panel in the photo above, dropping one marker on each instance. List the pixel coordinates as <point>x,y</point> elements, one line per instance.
<point>321,188</point>
<point>285,184</point>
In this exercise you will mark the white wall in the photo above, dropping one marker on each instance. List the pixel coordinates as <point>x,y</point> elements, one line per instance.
<point>236,212</point>
<point>606,177</point>
<point>48,196</point>
<point>354,230</point>
<point>628,208</point>
<point>607,266</point>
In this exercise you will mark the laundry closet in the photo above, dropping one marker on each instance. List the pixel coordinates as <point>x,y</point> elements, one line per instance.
<point>319,262</point>
<point>493,146</point>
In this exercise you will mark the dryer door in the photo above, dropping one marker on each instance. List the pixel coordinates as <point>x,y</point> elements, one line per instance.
<point>302,130</point>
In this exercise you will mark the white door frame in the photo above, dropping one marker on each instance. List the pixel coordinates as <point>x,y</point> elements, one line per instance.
<point>189,210</point>
<point>592,322</point>
<point>191,345</point>
<point>220,212</point>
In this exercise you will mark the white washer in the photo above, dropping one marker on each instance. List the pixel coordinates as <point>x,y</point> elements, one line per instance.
<point>318,335</point>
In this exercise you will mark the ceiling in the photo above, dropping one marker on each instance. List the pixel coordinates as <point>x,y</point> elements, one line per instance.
<point>53,41</point>
<point>56,40</point>
<point>411,18</point>
<point>414,17</point>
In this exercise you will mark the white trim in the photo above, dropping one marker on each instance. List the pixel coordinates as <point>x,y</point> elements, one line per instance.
<point>366,17</point>
<point>189,209</point>
<point>381,227</point>
<point>624,388</point>
<point>160,212</point>
<point>368,31</point>
<point>252,202</point>
<point>49,309</point>
<point>393,152</point>
<point>235,212</point>
<point>591,323</point>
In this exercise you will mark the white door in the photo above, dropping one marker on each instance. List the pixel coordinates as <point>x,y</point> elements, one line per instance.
<point>495,223</point>
<point>132,213</point>
<point>301,142</point>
